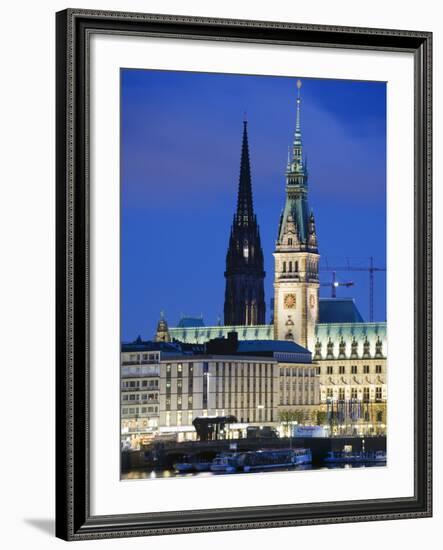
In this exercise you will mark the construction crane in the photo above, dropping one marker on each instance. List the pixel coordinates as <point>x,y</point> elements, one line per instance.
<point>334,284</point>
<point>348,266</point>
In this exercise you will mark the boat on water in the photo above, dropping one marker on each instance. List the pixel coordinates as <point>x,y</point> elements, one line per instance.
<point>225,463</point>
<point>184,467</point>
<point>274,458</point>
<point>192,465</point>
<point>202,466</point>
<point>350,457</point>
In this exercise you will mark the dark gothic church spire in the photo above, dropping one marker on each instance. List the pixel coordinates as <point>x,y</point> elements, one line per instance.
<point>244,294</point>
<point>245,208</point>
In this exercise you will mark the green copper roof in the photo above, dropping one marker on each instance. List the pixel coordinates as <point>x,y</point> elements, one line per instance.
<point>361,333</point>
<point>200,335</point>
<point>187,322</point>
<point>348,330</point>
<point>372,335</point>
<point>296,214</point>
<point>298,208</point>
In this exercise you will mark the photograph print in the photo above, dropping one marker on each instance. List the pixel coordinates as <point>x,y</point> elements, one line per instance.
<point>253,274</point>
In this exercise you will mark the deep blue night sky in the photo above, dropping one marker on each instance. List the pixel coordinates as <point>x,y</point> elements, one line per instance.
<point>180,157</point>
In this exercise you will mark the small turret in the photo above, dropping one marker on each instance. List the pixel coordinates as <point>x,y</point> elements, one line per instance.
<point>162,334</point>
<point>312,239</point>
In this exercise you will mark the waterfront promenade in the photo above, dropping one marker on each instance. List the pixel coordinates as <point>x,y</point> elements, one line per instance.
<point>164,454</point>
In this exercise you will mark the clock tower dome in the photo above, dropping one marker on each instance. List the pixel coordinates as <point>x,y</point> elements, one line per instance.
<point>296,284</point>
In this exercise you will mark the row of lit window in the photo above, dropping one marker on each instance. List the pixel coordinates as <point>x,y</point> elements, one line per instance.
<point>353,369</point>
<point>243,415</point>
<point>179,369</point>
<point>137,410</point>
<point>140,396</point>
<point>140,384</point>
<point>244,400</point>
<point>354,393</point>
<point>241,385</point>
<point>179,419</point>
<point>238,369</point>
<point>235,400</point>
<point>143,357</point>
<point>179,402</point>
<point>304,372</point>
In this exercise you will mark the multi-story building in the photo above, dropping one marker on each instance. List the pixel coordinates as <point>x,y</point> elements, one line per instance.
<point>166,386</point>
<point>299,390</point>
<point>140,386</point>
<point>351,363</point>
<point>253,381</point>
<point>217,385</point>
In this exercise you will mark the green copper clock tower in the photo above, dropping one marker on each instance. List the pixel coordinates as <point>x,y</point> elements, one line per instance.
<point>296,284</point>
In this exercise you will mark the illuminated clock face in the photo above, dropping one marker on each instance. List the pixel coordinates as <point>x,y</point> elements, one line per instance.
<point>312,301</point>
<point>290,301</point>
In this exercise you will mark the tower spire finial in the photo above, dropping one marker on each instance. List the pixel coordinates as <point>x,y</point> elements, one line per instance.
<point>297,146</point>
<point>297,121</point>
<point>245,208</point>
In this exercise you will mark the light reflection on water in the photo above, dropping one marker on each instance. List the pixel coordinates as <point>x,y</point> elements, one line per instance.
<point>158,474</point>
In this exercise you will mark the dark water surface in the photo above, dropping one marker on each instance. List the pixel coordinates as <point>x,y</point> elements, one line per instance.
<point>157,474</point>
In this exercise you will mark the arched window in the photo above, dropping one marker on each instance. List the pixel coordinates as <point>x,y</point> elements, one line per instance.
<point>284,267</point>
<point>290,267</point>
<point>296,266</point>
<point>290,242</point>
<point>245,250</point>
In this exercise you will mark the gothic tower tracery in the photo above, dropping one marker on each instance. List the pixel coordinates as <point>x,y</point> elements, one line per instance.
<point>244,294</point>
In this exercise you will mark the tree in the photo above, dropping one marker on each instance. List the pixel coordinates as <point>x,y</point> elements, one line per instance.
<point>284,417</point>
<point>298,416</point>
<point>288,417</point>
<point>321,418</point>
